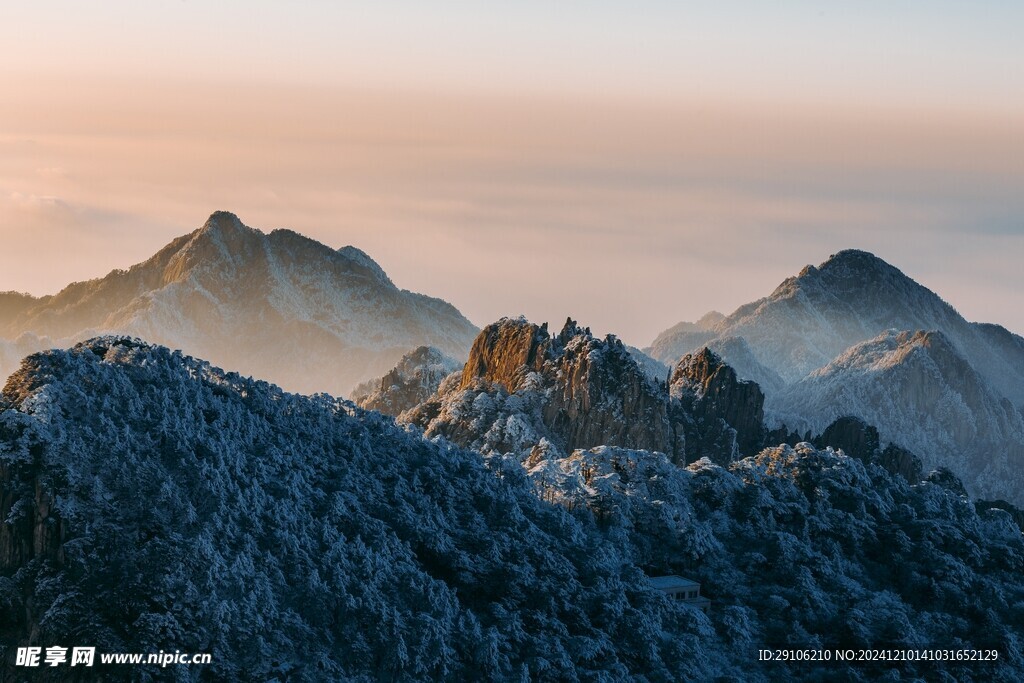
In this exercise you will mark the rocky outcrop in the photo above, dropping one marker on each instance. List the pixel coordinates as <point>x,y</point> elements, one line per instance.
<point>858,439</point>
<point>31,528</point>
<point>721,406</point>
<point>899,460</point>
<point>947,480</point>
<point>522,387</point>
<point>506,352</point>
<point>1015,513</point>
<point>600,396</point>
<point>853,436</point>
<point>416,377</point>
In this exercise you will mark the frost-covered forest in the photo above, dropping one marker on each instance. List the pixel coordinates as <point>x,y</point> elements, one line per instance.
<point>153,501</point>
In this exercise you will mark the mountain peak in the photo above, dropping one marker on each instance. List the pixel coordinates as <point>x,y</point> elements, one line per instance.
<point>275,304</point>
<point>846,272</point>
<point>363,259</point>
<point>223,221</point>
<point>856,259</point>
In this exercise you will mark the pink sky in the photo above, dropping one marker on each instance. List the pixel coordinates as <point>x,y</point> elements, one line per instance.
<point>602,176</point>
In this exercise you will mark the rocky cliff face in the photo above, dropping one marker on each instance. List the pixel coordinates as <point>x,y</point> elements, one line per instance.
<point>723,408</point>
<point>860,440</point>
<point>415,379</point>
<point>506,353</point>
<point>600,396</point>
<point>523,387</point>
<point>31,526</point>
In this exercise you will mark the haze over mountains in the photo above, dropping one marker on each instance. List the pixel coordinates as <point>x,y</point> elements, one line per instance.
<point>853,296</point>
<point>506,517</point>
<point>855,336</point>
<point>851,337</point>
<point>279,306</point>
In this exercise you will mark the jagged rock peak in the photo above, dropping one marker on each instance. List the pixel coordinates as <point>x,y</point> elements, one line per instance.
<point>570,329</point>
<point>700,369</point>
<point>712,392</point>
<point>506,351</point>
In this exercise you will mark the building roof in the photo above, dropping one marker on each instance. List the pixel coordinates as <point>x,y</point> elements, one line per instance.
<point>672,581</point>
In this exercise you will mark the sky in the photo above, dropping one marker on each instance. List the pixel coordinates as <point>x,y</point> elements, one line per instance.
<point>629,164</point>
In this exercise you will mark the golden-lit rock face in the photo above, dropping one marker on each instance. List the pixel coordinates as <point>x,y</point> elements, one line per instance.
<point>505,352</point>
<point>521,385</point>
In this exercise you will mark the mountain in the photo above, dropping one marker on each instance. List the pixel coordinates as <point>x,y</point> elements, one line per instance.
<point>415,379</point>
<point>921,393</point>
<point>153,501</point>
<point>523,388</point>
<point>654,369</point>
<point>684,337</point>
<point>279,306</point>
<point>852,297</point>
<point>812,547</point>
<point>720,406</point>
<point>13,304</point>
<point>737,352</point>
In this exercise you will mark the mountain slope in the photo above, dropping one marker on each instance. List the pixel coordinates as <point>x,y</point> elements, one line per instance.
<point>280,306</point>
<point>803,548</point>
<point>919,392</point>
<point>682,338</point>
<point>415,379</point>
<point>852,297</point>
<point>153,501</point>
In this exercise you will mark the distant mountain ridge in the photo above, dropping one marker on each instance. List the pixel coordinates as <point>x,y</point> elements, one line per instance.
<point>278,305</point>
<point>813,317</point>
<point>855,337</point>
<point>922,394</point>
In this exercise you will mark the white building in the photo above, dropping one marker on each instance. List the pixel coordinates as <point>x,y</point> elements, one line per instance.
<point>678,588</point>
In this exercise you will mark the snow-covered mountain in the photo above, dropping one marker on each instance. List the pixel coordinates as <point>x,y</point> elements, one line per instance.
<point>683,338</point>
<point>919,392</point>
<point>152,500</point>
<point>280,306</point>
<point>852,297</point>
<point>415,379</point>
